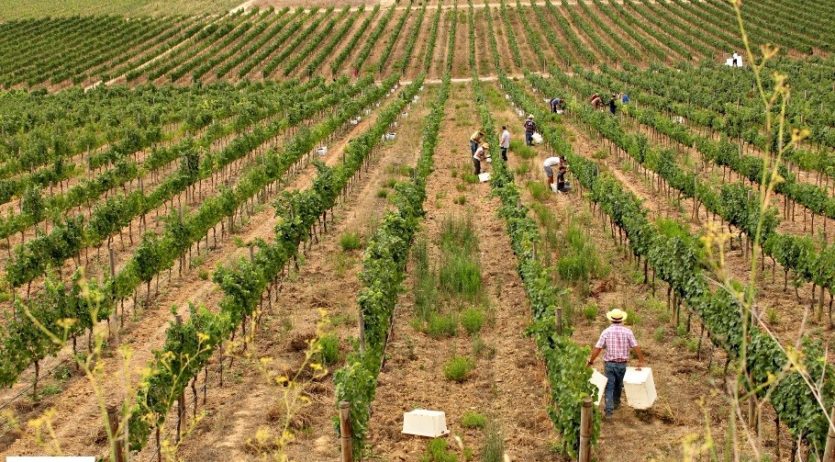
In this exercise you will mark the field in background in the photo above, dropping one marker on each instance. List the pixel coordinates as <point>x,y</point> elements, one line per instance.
<point>19,9</point>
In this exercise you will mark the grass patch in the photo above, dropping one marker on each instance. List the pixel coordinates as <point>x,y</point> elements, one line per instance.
<point>350,240</point>
<point>460,275</point>
<point>329,349</point>
<point>472,319</point>
<point>458,368</point>
<point>590,311</point>
<point>538,190</point>
<point>472,419</point>
<point>382,194</point>
<point>441,325</point>
<point>522,150</point>
<point>437,451</point>
<point>470,178</point>
<point>493,444</point>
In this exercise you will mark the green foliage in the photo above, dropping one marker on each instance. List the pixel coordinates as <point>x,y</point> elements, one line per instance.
<point>329,349</point>
<point>350,240</point>
<point>538,190</point>
<point>472,319</point>
<point>472,419</point>
<point>441,325</point>
<point>493,443</point>
<point>522,150</point>
<point>458,368</point>
<point>437,451</point>
<point>590,311</point>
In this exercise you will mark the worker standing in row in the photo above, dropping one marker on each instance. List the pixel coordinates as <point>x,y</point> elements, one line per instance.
<point>618,341</point>
<point>504,142</point>
<point>530,129</point>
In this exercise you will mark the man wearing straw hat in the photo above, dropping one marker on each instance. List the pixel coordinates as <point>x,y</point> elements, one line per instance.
<point>617,340</point>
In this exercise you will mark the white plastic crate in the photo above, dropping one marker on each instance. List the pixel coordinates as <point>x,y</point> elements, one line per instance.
<point>484,177</point>
<point>424,422</point>
<point>322,150</point>
<point>597,379</point>
<point>639,387</point>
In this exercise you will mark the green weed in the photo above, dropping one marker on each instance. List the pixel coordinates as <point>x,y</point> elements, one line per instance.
<point>458,368</point>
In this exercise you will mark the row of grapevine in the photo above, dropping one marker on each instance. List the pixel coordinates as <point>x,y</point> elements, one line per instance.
<point>34,208</point>
<point>736,203</point>
<point>190,345</point>
<point>384,266</point>
<point>24,344</point>
<point>371,41</point>
<point>674,258</point>
<point>392,38</point>
<point>298,39</point>
<point>350,47</point>
<point>314,42</point>
<point>331,45</point>
<point>383,270</point>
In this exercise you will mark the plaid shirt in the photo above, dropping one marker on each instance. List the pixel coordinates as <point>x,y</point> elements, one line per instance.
<point>617,340</point>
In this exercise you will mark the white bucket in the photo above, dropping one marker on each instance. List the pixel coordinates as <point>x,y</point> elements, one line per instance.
<point>639,387</point>
<point>423,422</point>
<point>404,114</point>
<point>520,113</point>
<point>389,136</point>
<point>484,177</point>
<point>597,379</point>
<point>322,150</point>
<point>536,138</point>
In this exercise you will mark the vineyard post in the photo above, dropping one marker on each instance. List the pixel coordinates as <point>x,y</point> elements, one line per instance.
<point>829,452</point>
<point>585,430</point>
<point>345,431</point>
<point>113,418</point>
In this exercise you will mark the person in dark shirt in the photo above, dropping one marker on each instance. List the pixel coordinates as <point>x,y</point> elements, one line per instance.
<point>613,106</point>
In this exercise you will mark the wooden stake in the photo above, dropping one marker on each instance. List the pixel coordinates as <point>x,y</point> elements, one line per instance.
<point>585,430</point>
<point>829,452</point>
<point>345,431</point>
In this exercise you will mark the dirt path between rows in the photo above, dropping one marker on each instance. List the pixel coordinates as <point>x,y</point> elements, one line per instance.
<point>413,376</point>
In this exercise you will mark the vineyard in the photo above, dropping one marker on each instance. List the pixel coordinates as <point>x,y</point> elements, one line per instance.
<point>253,231</point>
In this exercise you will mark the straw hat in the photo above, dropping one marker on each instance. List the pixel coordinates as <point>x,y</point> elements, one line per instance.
<point>616,315</point>
<point>530,116</point>
<point>485,145</point>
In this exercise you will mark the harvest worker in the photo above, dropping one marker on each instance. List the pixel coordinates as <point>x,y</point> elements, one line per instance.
<point>613,107</point>
<point>549,170</point>
<point>617,340</point>
<point>476,139</point>
<point>504,142</point>
<point>481,153</point>
<point>556,105</point>
<point>530,129</point>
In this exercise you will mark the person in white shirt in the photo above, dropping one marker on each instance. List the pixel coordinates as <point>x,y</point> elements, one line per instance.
<point>481,153</point>
<point>549,165</point>
<point>504,142</point>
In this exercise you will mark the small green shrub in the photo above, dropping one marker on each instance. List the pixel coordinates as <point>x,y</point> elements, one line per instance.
<point>523,169</point>
<point>460,200</point>
<point>437,451</point>
<point>458,368</point>
<point>382,194</point>
<point>472,419</point>
<point>600,154</point>
<point>659,334</point>
<point>390,183</point>
<point>350,241</point>
<point>538,190</point>
<point>590,311</point>
<point>493,444</point>
<point>470,178</point>
<point>472,319</point>
<point>461,276</point>
<point>441,325</point>
<point>329,349</point>
<point>772,316</point>
<point>522,150</point>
